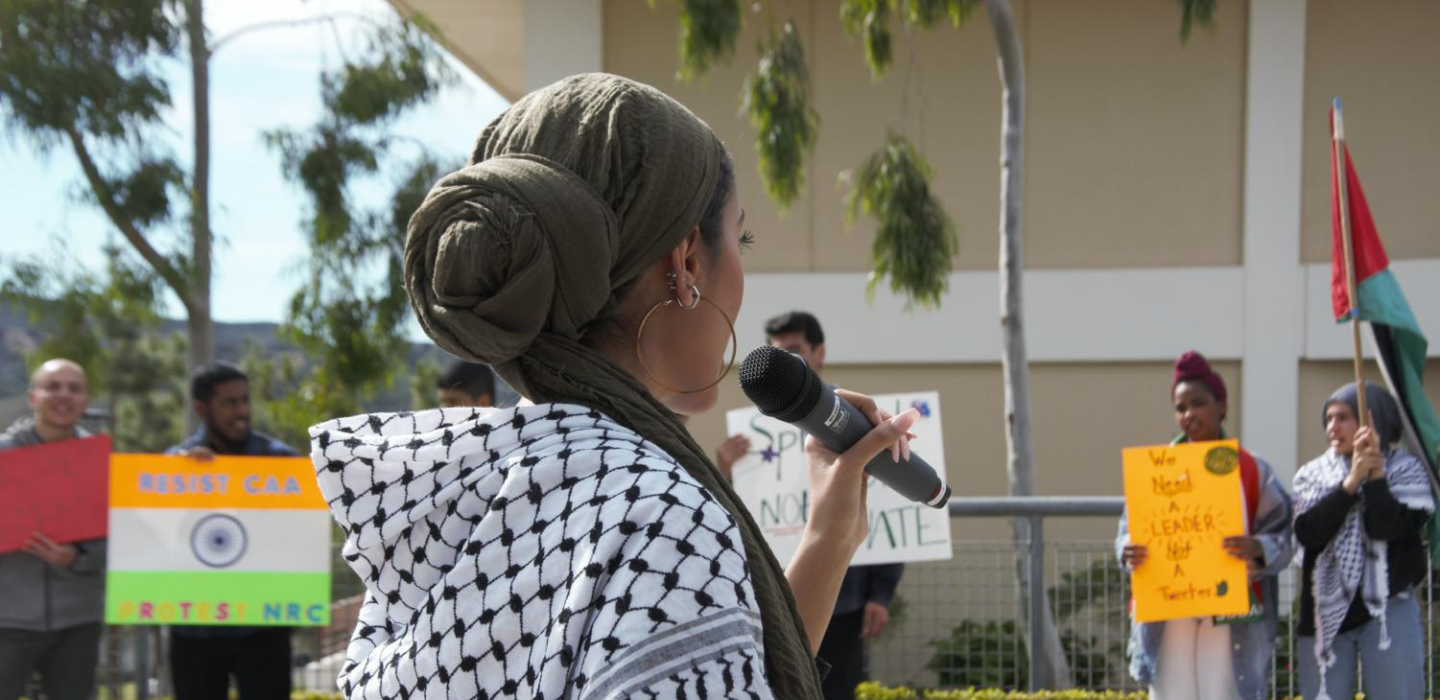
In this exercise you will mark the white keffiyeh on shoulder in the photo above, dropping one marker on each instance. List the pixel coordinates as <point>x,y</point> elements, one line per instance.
<point>1353,562</point>
<point>542,551</point>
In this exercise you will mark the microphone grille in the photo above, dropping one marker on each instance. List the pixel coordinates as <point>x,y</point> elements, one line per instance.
<point>773,379</point>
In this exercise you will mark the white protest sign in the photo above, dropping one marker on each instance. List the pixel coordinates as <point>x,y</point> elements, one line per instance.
<point>771,481</point>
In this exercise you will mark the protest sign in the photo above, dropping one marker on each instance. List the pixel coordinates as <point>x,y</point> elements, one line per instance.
<point>236,541</point>
<point>771,480</point>
<point>57,489</point>
<point>1182,501</point>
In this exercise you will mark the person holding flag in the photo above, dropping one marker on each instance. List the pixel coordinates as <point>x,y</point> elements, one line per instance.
<point>1362,288</point>
<point>1364,503</point>
<point>1361,508</point>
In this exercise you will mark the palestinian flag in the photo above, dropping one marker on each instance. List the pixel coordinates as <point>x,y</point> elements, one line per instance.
<point>1400,344</point>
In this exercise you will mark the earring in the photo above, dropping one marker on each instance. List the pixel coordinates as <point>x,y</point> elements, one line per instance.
<point>695,292</point>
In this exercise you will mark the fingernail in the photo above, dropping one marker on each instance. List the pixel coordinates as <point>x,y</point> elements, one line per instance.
<point>905,449</point>
<point>904,421</point>
<point>895,453</point>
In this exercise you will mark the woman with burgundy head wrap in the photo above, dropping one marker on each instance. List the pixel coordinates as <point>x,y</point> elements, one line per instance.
<point>1217,658</point>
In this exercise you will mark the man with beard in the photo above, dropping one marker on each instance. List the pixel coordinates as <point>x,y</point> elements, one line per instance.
<point>203,658</point>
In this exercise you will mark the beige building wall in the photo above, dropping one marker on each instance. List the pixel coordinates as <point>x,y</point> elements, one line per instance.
<point>1380,58</point>
<point>1136,145</point>
<point>640,43</point>
<point>1137,157</point>
<point>1135,140</point>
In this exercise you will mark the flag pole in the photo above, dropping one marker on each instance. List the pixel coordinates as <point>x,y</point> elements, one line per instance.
<point>1342,171</point>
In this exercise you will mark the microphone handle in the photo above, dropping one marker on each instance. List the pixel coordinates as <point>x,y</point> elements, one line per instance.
<point>838,425</point>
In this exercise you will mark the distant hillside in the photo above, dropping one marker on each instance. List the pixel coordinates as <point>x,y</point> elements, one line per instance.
<point>18,336</point>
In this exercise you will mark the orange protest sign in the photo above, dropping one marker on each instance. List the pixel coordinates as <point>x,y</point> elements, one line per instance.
<point>1182,501</point>
<point>233,541</point>
<point>166,481</point>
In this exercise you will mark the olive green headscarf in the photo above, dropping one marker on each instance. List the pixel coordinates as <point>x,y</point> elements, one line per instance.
<point>569,196</point>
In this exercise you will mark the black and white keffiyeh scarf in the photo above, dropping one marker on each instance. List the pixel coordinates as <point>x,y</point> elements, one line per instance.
<point>1353,563</point>
<point>543,551</point>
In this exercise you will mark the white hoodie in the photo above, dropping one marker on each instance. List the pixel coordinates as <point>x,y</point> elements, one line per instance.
<point>541,551</point>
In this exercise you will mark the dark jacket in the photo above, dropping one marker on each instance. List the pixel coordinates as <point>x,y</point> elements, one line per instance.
<point>868,584</point>
<point>1385,519</point>
<point>35,596</point>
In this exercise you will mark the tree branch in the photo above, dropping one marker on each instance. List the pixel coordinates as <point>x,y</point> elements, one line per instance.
<point>276,24</point>
<point>202,334</point>
<point>405,138</point>
<point>160,263</point>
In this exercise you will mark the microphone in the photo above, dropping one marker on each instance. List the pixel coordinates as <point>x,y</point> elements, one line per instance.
<point>784,387</point>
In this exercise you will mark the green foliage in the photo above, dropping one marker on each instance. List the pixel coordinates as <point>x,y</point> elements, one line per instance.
<point>361,99</point>
<point>870,20</point>
<point>353,346</point>
<point>85,65</point>
<point>406,71</point>
<point>87,73</point>
<point>1103,585</point>
<point>899,611</point>
<point>422,384</point>
<point>994,655</point>
<point>1091,598</point>
<point>915,239</point>
<point>1193,11</point>
<point>875,691</point>
<point>708,29</point>
<point>145,192</point>
<point>777,100</point>
<point>324,161</point>
<point>110,324</point>
<point>1287,660</point>
<point>62,300</point>
<point>1091,664</point>
<point>352,333</point>
<point>276,406</point>
<point>294,695</point>
<point>981,654</point>
<point>925,13</point>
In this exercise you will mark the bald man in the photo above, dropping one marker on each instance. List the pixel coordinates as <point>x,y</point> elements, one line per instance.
<point>52,595</point>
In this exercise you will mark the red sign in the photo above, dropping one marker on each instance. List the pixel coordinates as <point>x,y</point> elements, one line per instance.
<point>60,489</point>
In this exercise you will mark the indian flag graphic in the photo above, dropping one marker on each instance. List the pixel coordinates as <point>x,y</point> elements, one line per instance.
<point>235,541</point>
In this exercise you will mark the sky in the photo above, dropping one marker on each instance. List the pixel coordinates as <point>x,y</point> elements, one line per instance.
<point>262,80</point>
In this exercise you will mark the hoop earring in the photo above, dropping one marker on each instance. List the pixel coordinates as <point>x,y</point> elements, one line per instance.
<point>734,343</point>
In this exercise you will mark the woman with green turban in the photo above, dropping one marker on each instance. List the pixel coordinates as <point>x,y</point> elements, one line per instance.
<point>582,545</point>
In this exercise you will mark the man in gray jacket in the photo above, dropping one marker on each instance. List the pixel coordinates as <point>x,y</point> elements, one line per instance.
<point>52,596</point>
